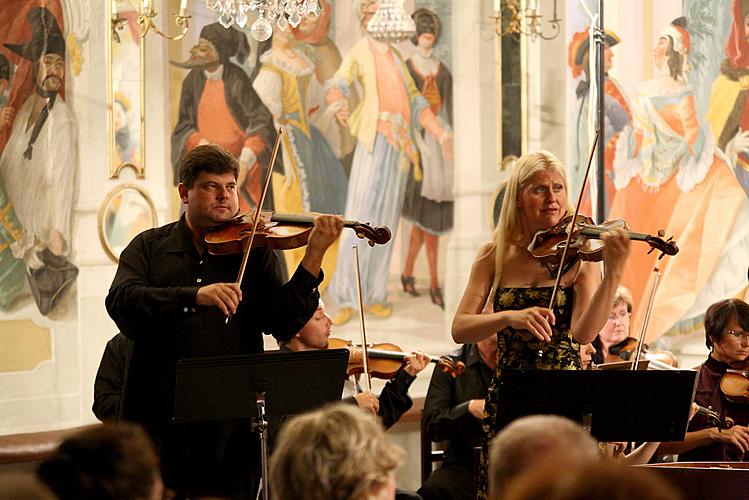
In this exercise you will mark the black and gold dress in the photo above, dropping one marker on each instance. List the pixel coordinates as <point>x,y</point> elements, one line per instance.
<point>519,350</point>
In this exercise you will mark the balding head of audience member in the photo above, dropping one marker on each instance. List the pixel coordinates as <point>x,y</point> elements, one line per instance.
<point>335,453</point>
<point>602,479</point>
<point>110,461</point>
<point>18,486</point>
<point>531,440</point>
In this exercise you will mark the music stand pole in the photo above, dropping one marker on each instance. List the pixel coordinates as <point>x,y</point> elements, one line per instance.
<point>260,425</point>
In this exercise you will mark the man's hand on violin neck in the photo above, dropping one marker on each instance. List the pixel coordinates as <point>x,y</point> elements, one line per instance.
<point>326,231</point>
<point>225,296</point>
<point>415,362</point>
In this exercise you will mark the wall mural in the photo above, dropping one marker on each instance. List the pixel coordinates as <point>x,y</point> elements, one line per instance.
<point>369,136</point>
<point>676,143</point>
<point>38,157</point>
<point>126,74</point>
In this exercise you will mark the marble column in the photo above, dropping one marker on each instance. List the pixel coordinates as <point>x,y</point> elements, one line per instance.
<point>476,66</point>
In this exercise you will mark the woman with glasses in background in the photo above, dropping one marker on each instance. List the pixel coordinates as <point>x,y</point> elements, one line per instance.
<point>727,337</point>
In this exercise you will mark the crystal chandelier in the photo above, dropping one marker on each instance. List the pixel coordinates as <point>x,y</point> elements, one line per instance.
<point>283,12</point>
<point>391,23</point>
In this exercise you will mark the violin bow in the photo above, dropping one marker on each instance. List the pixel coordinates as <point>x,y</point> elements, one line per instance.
<point>560,269</point>
<point>651,300</point>
<point>365,354</point>
<point>258,209</point>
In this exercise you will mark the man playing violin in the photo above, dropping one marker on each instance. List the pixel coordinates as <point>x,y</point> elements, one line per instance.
<point>172,298</point>
<point>727,337</point>
<point>394,400</point>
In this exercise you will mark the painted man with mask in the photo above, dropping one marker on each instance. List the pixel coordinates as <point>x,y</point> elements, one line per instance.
<point>38,165</point>
<point>219,106</point>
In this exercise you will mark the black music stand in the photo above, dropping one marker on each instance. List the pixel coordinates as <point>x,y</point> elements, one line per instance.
<point>250,386</point>
<point>615,405</point>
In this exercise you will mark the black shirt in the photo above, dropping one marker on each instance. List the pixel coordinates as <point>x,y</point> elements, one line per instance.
<point>446,415</point>
<point>152,301</point>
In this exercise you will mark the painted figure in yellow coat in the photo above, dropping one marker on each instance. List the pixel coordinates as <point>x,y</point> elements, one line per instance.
<point>390,114</point>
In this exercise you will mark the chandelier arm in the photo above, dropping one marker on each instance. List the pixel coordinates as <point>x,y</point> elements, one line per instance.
<point>146,23</point>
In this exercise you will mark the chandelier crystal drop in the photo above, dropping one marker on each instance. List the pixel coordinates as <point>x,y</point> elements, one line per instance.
<point>284,12</point>
<point>391,23</point>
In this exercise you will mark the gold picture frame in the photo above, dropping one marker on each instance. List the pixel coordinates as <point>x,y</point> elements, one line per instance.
<point>126,95</point>
<point>125,212</point>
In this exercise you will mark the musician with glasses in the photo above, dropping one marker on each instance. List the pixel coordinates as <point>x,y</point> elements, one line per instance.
<point>615,333</point>
<point>727,337</point>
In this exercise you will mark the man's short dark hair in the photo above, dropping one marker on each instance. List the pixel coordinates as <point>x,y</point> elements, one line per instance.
<point>720,314</point>
<point>208,158</point>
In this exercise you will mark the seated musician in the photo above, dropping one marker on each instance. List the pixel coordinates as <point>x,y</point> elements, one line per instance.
<point>614,342</point>
<point>615,333</point>
<point>453,410</point>
<point>727,337</point>
<point>394,400</point>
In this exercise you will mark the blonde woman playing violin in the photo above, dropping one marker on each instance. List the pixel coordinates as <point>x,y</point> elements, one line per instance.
<point>531,335</point>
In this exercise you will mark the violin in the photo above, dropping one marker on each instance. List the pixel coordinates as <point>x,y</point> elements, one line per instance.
<point>549,246</point>
<point>386,359</point>
<point>659,360</point>
<point>281,231</point>
<point>734,384</point>
<point>714,418</point>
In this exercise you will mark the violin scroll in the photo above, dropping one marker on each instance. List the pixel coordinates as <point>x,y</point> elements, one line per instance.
<point>374,235</point>
<point>667,247</point>
<point>447,365</point>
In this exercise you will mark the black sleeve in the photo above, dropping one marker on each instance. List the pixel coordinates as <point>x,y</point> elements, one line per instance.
<point>394,398</point>
<point>110,381</point>
<point>442,418</point>
<point>284,312</point>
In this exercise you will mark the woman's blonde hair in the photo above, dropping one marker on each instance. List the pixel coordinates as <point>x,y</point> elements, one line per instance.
<point>509,226</point>
<point>337,452</point>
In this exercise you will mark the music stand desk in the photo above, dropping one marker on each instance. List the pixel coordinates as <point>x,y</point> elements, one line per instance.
<point>222,388</point>
<point>617,405</point>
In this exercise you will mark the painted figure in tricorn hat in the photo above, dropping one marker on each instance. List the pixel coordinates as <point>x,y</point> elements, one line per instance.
<point>39,162</point>
<point>616,110</point>
<point>219,106</point>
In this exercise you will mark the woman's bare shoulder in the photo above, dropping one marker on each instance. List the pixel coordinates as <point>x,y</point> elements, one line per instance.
<point>486,253</point>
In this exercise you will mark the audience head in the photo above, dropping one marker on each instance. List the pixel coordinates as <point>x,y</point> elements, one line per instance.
<point>727,330</point>
<point>528,441</point>
<point>15,486</point>
<point>337,452</point>
<point>110,461</point>
<point>601,479</point>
